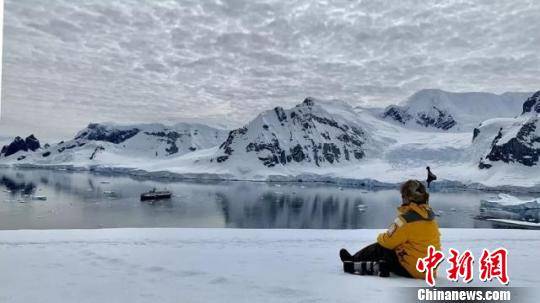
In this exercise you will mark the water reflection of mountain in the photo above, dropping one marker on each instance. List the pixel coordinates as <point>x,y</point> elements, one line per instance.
<point>86,200</point>
<point>14,186</point>
<point>247,208</point>
<point>78,184</point>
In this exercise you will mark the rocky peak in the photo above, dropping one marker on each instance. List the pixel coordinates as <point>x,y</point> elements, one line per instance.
<point>436,118</point>
<point>523,144</point>
<point>431,117</point>
<point>31,143</point>
<point>101,132</point>
<point>532,104</point>
<point>309,101</point>
<point>396,113</point>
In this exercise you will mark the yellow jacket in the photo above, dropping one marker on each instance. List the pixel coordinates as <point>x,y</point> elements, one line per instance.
<point>409,236</point>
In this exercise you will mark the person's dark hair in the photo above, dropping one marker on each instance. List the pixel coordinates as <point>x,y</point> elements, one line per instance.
<point>414,191</point>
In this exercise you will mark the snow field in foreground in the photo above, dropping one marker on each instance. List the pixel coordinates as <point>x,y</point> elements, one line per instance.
<point>222,265</point>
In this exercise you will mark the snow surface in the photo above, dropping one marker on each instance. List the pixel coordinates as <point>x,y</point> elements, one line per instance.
<point>222,265</point>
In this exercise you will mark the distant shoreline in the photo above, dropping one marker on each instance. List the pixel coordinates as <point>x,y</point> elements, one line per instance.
<point>366,183</point>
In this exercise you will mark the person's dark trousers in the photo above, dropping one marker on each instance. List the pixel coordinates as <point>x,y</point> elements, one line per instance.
<point>375,252</point>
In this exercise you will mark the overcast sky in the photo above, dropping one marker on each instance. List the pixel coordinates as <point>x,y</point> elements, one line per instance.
<point>68,63</point>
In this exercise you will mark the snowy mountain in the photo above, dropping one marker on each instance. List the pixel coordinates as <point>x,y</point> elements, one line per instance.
<point>106,140</point>
<point>440,110</point>
<point>316,140</point>
<point>510,140</point>
<point>312,133</point>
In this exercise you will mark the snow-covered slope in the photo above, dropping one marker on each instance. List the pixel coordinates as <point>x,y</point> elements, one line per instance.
<point>265,149</point>
<point>108,143</point>
<point>511,140</point>
<point>315,140</point>
<point>314,133</point>
<point>440,110</point>
<point>390,152</point>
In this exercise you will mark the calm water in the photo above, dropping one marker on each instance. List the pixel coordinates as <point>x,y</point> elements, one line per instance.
<point>84,200</point>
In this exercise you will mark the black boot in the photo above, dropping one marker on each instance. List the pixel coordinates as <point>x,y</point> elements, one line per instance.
<point>344,255</point>
<point>348,267</point>
<point>384,269</point>
<point>367,268</point>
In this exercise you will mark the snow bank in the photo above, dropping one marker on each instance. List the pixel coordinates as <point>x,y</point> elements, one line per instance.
<point>219,265</point>
<point>509,223</point>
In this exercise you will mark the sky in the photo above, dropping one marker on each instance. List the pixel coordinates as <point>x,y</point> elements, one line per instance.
<point>67,63</point>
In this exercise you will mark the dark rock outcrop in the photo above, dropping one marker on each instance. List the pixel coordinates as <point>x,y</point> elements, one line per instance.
<point>170,137</point>
<point>476,132</point>
<point>227,145</point>
<point>524,146</point>
<point>96,150</point>
<point>441,119</point>
<point>532,104</point>
<point>100,132</point>
<point>435,117</point>
<point>32,143</point>
<point>397,113</point>
<point>19,144</point>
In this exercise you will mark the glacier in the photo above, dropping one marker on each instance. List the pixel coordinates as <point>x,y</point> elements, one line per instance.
<point>316,141</point>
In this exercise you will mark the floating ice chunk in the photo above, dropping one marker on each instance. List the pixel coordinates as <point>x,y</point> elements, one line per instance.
<point>509,202</point>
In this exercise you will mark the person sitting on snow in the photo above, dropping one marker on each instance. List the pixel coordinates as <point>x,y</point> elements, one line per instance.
<point>398,249</point>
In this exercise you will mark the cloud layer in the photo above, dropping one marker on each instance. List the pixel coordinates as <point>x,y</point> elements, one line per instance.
<point>67,63</point>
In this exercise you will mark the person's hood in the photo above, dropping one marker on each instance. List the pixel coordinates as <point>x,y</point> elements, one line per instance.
<point>424,210</point>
